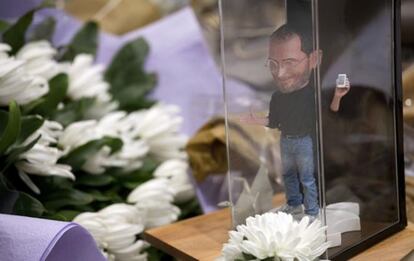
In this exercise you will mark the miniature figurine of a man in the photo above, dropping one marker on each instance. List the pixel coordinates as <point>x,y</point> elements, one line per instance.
<point>292,110</point>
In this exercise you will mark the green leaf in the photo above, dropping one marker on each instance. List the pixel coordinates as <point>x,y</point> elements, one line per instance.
<point>19,203</point>
<point>58,87</point>
<point>129,82</point>
<point>29,124</point>
<point>85,41</point>
<point>4,116</point>
<point>52,184</point>
<point>94,180</point>
<point>43,30</point>
<point>73,111</point>
<point>12,131</point>
<point>3,26</point>
<point>16,151</point>
<point>132,184</point>
<point>113,194</point>
<point>98,196</point>
<point>63,215</point>
<point>157,255</point>
<point>132,97</point>
<point>79,156</point>
<point>149,165</point>
<point>189,209</point>
<point>249,256</point>
<point>135,178</point>
<point>66,197</point>
<point>27,205</point>
<point>48,4</point>
<point>15,35</point>
<point>68,215</point>
<point>28,108</point>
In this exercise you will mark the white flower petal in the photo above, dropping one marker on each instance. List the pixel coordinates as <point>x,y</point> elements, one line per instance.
<point>86,80</point>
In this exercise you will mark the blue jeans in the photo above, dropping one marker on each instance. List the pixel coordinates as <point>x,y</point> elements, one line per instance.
<point>298,166</point>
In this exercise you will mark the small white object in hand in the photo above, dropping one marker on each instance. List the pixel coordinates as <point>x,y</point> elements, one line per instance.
<point>342,81</point>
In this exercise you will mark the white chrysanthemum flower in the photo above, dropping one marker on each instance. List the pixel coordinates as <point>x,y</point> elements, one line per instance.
<point>38,57</point>
<point>158,213</point>
<point>95,224</point>
<point>101,108</point>
<point>86,81</point>
<point>277,235</point>
<point>131,155</point>
<point>154,198</point>
<point>115,228</point>
<point>175,171</point>
<point>16,83</point>
<point>154,131</point>
<point>42,158</point>
<point>155,189</point>
<point>79,133</point>
<point>160,126</point>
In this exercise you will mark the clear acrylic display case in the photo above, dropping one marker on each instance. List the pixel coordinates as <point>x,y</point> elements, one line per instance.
<point>319,130</point>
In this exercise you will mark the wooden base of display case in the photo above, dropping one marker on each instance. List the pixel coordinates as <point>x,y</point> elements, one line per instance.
<point>202,238</point>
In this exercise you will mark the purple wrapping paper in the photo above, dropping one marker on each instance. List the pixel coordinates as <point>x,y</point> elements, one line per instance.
<point>33,239</point>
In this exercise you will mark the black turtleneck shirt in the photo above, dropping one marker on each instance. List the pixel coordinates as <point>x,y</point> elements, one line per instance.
<point>293,113</point>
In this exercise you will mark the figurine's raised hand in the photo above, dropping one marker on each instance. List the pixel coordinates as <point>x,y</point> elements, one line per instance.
<point>342,91</point>
<point>339,93</point>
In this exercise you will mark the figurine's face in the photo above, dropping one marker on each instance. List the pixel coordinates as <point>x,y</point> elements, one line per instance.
<point>289,65</point>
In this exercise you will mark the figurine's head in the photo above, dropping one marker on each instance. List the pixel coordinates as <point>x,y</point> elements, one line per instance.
<point>291,58</point>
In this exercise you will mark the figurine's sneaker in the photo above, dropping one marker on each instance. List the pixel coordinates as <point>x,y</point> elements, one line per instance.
<point>312,218</point>
<point>297,210</point>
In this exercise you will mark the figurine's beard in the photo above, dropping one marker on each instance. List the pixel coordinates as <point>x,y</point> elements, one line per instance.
<point>297,85</point>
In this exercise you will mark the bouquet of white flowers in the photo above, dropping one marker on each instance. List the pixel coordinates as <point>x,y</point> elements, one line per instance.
<point>81,142</point>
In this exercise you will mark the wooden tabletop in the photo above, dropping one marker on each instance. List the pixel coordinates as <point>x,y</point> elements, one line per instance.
<point>202,238</point>
<point>199,238</point>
